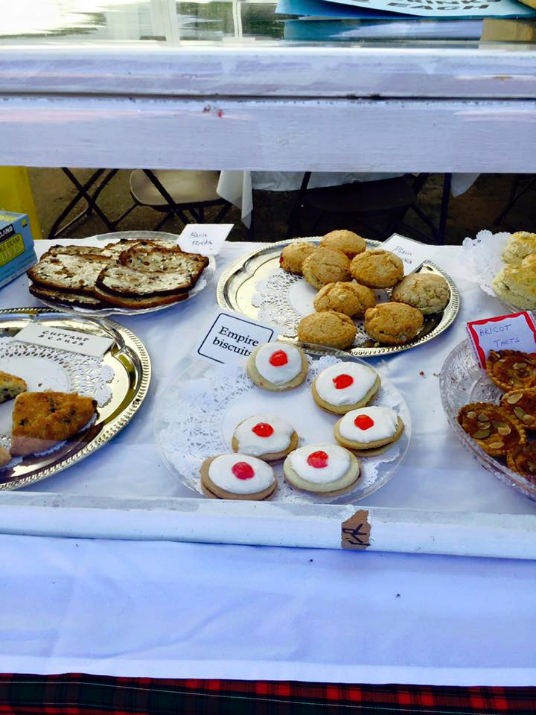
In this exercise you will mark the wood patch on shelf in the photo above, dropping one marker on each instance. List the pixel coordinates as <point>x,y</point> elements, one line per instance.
<point>355,531</point>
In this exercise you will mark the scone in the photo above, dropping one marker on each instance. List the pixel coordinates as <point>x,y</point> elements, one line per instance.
<point>377,268</point>
<point>11,386</point>
<point>277,366</point>
<point>293,255</point>
<point>522,404</point>
<point>429,292</point>
<point>516,284</point>
<point>326,265</point>
<point>5,456</point>
<point>345,386</point>
<point>519,245</point>
<point>237,476</point>
<point>325,469</point>
<point>265,437</point>
<point>511,369</point>
<point>369,430</point>
<point>346,241</point>
<point>494,429</point>
<point>346,297</point>
<point>327,327</point>
<point>393,323</point>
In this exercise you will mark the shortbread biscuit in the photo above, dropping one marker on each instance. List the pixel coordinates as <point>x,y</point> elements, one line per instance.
<point>492,427</point>
<point>293,255</point>
<point>519,245</point>
<point>346,297</point>
<point>237,476</point>
<point>368,429</point>
<point>522,404</point>
<point>264,436</point>
<point>325,469</point>
<point>326,265</point>
<point>429,292</point>
<point>327,327</point>
<point>346,241</point>
<point>377,268</point>
<point>345,386</point>
<point>393,323</point>
<point>511,369</point>
<point>277,366</point>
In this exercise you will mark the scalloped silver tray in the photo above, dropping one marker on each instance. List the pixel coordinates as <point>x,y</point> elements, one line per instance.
<point>131,366</point>
<point>238,289</point>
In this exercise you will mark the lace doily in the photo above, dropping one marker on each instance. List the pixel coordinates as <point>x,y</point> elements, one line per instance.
<point>481,258</point>
<point>199,413</point>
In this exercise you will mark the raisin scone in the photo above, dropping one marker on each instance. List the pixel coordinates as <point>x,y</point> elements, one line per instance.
<point>11,386</point>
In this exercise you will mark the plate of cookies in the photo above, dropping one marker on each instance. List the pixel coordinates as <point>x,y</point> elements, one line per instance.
<point>493,411</point>
<point>127,272</point>
<point>341,291</point>
<point>288,423</point>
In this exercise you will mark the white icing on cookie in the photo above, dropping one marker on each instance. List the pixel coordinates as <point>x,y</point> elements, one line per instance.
<point>253,435</point>
<point>384,424</point>
<point>278,374</point>
<point>336,464</point>
<point>221,473</point>
<point>345,383</point>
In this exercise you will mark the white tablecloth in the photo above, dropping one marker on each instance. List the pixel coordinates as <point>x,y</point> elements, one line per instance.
<point>163,609</point>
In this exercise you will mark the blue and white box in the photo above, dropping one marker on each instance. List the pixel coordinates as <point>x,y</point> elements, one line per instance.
<point>17,251</point>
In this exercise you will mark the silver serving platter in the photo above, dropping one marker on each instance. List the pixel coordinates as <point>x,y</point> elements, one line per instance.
<point>131,366</point>
<point>238,289</point>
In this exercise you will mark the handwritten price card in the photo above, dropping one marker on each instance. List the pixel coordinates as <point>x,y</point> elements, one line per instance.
<point>413,253</point>
<point>204,238</point>
<point>506,332</point>
<point>70,340</point>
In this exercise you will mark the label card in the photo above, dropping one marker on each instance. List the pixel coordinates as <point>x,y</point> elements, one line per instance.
<point>505,332</point>
<point>231,338</point>
<point>49,337</point>
<point>413,253</point>
<point>204,238</point>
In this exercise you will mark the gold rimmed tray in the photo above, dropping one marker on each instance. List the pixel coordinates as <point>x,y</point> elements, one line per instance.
<point>256,286</point>
<point>119,380</point>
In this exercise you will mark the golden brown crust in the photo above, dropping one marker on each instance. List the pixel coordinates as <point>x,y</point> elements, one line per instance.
<point>346,297</point>
<point>511,369</point>
<point>519,245</point>
<point>348,242</point>
<point>522,459</point>
<point>377,268</point>
<point>214,492</point>
<point>293,255</point>
<point>393,323</point>
<point>522,404</point>
<point>326,265</point>
<point>492,427</point>
<point>329,328</point>
<point>428,292</point>
<point>11,386</point>
<point>516,284</point>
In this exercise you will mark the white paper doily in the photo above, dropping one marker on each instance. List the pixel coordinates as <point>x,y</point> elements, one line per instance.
<point>481,258</point>
<point>200,411</point>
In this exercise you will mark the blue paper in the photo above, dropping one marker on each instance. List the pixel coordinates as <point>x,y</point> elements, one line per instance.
<point>373,9</point>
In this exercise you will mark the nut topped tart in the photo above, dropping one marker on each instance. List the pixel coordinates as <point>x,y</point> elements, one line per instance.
<point>522,404</point>
<point>522,460</point>
<point>511,369</point>
<point>494,429</point>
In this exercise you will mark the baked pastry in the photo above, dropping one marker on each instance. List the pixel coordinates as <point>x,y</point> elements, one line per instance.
<point>519,245</point>
<point>345,386</point>
<point>346,241</point>
<point>393,323</point>
<point>147,256</point>
<point>325,469</point>
<point>277,366</point>
<point>377,268</point>
<point>522,404</point>
<point>516,284</point>
<point>429,292</point>
<point>492,427</point>
<point>326,265</point>
<point>511,369</point>
<point>293,255</point>
<point>130,288</point>
<point>42,420</point>
<point>237,476</point>
<point>369,429</point>
<point>11,386</point>
<point>522,459</point>
<point>66,298</point>
<point>72,272</point>
<point>327,327</point>
<point>346,297</point>
<point>265,437</point>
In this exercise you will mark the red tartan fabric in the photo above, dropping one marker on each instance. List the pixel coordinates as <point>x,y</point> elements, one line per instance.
<point>80,694</point>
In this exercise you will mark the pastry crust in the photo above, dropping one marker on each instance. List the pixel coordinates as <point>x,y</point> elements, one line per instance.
<point>326,265</point>
<point>345,297</point>
<point>329,488</point>
<point>519,245</point>
<point>329,328</point>
<point>293,255</point>
<point>511,369</point>
<point>522,460</point>
<point>377,268</point>
<point>11,386</point>
<point>428,292</point>
<point>393,323</point>
<point>263,382</point>
<point>492,427</point>
<point>212,490</point>
<point>522,404</point>
<point>348,242</point>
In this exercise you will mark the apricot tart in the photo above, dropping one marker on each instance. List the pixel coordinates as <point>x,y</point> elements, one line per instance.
<point>511,369</point>
<point>522,404</point>
<point>494,429</point>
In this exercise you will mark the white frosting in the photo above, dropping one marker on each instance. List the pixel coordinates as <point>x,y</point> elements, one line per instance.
<point>363,380</point>
<point>251,443</point>
<point>220,472</point>
<point>278,375</point>
<point>385,424</point>
<point>338,463</point>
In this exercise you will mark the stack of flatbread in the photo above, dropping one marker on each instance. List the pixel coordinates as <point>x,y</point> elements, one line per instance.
<point>127,274</point>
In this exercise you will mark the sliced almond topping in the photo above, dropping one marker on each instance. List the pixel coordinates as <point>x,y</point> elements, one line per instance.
<point>481,434</point>
<point>514,397</point>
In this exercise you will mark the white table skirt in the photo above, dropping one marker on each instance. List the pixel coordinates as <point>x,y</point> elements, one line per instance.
<point>165,609</point>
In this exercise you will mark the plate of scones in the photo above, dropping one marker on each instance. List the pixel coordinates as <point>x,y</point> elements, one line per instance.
<point>341,291</point>
<point>288,423</point>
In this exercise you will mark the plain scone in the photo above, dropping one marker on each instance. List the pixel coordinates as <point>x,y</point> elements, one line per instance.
<point>516,284</point>
<point>327,327</point>
<point>519,245</point>
<point>326,265</point>
<point>377,268</point>
<point>346,297</point>
<point>429,292</point>
<point>393,323</point>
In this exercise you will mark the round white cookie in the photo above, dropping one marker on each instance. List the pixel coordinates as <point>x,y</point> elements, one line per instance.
<point>368,428</point>
<point>345,386</point>
<point>277,366</point>
<point>265,437</point>
<point>237,476</point>
<point>322,468</point>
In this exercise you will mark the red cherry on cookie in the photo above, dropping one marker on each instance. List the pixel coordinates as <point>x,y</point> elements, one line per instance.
<point>278,358</point>
<point>364,422</point>
<point>263,429</point>
<point>318,460</point>
<point>243,470</point>
<point>342,381</point>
